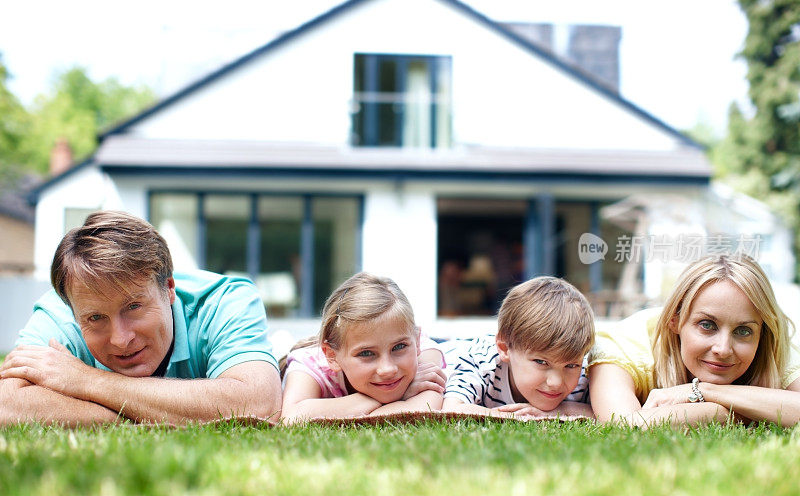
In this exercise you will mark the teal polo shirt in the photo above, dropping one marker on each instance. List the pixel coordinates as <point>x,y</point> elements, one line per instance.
<point>219,322</point>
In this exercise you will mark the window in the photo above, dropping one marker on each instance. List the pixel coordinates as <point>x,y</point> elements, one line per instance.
<point>484,244</point>
<point>175,217</point>
<point>279,278</point>
<point>227,218</point>
<point>480,253</point>
<point>75,217</point>
<point>335,245</point>
<point>612,286</point>
<point>295,248</point>
<point>401,100</point>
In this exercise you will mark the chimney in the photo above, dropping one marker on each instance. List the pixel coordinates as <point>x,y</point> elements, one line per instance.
<point>592,49</point>
<point>540,34</point>
<point>595,49</point>
<point>60,157</point>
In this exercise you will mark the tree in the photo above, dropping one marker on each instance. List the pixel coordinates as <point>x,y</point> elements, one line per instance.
<point>761,153</point>
<point>77,109</point>
<point>14,126</point>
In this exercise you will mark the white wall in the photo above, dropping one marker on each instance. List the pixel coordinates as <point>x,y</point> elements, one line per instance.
<point>502,94</point>
<point>87,188</point>
<point>400,242</point>
<point>18,295</point>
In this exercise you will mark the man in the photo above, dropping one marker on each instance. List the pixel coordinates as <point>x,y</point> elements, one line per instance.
<point>121,336</point>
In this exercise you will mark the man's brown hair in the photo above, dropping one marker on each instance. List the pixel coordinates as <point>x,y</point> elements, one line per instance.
<point>110,247</point>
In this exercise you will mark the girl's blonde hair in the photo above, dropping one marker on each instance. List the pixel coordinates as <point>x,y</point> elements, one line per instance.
<point>773,346</point>
<point>363,297</point>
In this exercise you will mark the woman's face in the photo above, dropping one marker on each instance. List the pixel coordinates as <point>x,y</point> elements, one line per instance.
<point>720,336</point>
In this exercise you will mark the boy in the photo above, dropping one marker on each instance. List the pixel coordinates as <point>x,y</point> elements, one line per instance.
<point>534,365</point>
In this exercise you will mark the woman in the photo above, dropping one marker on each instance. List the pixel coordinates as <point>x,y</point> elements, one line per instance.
<point>719,346</point>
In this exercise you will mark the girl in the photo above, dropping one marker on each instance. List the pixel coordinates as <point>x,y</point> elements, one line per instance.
<point>366,360</point>
<point>720,345</point>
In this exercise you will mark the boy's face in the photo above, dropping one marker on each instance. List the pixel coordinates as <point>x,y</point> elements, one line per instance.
<point>540,378</point>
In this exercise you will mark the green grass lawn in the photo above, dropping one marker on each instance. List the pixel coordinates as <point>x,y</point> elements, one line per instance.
<point>457,457</point>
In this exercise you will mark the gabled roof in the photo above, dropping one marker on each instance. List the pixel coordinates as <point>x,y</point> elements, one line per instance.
<point>13,198</point>
<point>341,9</point>
<point>530,46</point>
<point>33,195</point>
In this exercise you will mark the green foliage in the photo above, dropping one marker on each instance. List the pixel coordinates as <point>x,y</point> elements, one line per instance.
<point>14,126</point>
<point>761,154</point>
<point>428,458</point>
<point>703,133</point>
<point>75,108</point>
<point>78,109</point>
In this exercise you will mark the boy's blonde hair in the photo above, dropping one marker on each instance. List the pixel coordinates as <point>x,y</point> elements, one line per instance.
<point>363,297</point>
<point>773,346</point>
<point>547,314</point>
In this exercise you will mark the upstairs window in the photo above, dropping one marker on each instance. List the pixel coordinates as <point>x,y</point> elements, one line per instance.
<point>401,101</point>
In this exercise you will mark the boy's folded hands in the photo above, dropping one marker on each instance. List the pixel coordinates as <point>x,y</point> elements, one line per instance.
<point>520,410</point>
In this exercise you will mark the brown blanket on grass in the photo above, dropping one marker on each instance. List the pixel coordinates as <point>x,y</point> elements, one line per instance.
<point>393,419</point>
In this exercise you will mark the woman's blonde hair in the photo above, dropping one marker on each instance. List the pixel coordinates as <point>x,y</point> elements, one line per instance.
<point>773,346</point>
<point>362,298</point>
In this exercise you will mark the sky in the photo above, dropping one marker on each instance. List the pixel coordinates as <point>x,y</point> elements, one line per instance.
<point>677,57</point>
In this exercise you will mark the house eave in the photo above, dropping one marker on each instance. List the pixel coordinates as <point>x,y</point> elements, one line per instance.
<point>120,152</point>
<point>551,176</point>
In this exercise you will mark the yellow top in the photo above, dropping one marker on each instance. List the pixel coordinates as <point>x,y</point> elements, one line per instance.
<point>628,344</point>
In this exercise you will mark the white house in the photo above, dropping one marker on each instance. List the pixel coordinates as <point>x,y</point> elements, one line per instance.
<point>416,139</point>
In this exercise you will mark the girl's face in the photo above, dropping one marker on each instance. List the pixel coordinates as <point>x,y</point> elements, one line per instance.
<point>720,337</point>
<point>378,358</point>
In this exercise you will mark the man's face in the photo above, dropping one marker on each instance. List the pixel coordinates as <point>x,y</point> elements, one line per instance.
<point>129,332</point>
